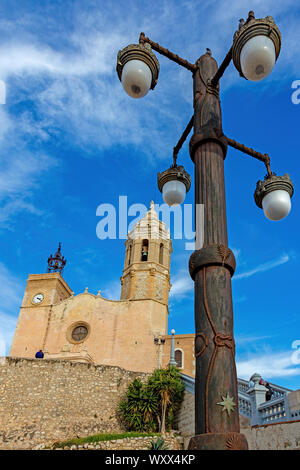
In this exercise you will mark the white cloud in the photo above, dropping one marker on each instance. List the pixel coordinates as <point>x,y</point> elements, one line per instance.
<point>95,57</point>
<point>241,340</point>
<point>182,285</point>
<point>269,365</point>
<point>75,88</point>
<point>5,122</point>
<point>20,173</point>
<point>7,328</point>
<point>236,252</point>
<point>11,291</point>
<point>263,267</point>
<point>112,291</point>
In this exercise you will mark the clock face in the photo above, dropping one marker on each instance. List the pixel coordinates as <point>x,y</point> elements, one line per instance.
<point>38,298</point>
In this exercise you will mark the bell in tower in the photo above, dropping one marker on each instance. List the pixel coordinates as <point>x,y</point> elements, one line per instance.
<point>146,273</point>
<point>145,250</point>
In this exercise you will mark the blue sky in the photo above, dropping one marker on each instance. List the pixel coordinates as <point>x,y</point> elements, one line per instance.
<point>71,139</point>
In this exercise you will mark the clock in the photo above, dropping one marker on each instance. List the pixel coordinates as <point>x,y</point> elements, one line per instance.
<point>38,298</point>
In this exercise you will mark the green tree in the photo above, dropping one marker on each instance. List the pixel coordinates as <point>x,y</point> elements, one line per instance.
<point>167,384</point>
<point>151,406</point>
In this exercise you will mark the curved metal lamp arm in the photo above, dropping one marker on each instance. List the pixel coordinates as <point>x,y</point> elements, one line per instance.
<point>215,80</point>
<point>182,139</point>
<point>233,143</point>
<point>249,151</point>
<point>228,57</point>
<point>170,55</point>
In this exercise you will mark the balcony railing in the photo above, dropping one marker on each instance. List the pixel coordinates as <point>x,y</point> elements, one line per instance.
<point>273,411</point>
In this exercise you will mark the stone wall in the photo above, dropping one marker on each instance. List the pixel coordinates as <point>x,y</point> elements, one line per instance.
<point>171,441</point>
<point>278,436</point>
<point>49,400</point>
<point>185,416</point>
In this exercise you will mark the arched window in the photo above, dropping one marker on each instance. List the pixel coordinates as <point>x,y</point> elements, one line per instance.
<point>179,358</point>
<point>144,255</point>
<point>161,254</point>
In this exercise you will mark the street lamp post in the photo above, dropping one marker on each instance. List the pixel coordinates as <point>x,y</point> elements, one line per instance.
<point>255,48</point>
<point>172,353</point>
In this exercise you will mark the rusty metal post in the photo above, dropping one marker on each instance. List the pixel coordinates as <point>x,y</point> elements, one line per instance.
<point>211,267</point>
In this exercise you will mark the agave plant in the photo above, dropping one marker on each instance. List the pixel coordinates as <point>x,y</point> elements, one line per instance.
<point>159,444</point>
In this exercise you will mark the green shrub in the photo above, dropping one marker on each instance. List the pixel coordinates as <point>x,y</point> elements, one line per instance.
<point>151,406</point>
<point>99,438</point>
<point>159,444</point>
<point>139,408</point>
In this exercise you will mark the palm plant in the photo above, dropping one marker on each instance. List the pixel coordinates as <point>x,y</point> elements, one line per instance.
<point>139,408</point>
<point>167,384</point>
<point>151,405</point>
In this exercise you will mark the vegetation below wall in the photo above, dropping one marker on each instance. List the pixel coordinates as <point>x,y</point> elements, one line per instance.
<point>100,438</point>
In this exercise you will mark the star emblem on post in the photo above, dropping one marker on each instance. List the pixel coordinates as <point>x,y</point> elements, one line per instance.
<point>227,403</point>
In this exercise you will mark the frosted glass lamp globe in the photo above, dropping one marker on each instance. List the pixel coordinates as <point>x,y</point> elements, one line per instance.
<point>136,78</point>
<point>277,204</point>
<point>174,192</point>
<point>257,58</point>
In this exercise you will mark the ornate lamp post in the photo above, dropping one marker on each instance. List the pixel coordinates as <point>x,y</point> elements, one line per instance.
<point>256,46</point>
<point>172,353</point>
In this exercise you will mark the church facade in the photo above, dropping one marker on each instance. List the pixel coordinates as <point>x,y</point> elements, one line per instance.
<point>130,333</point>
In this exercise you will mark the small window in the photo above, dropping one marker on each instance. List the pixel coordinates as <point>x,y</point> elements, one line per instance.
<point>129,255</point>
<point>178,358</point>
<point>161,254</point>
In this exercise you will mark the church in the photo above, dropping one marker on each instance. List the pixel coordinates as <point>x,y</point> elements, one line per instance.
<point>130,333</point>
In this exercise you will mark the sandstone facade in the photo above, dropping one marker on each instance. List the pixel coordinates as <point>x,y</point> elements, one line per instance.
<point>130,332</point>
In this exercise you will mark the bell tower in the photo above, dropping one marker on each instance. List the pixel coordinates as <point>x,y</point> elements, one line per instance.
<point>42,293</point>
<point>146,273</point>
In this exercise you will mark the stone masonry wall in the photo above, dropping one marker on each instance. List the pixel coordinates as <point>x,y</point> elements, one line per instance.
<point>277,436</point>
<point>171,442</point>
<point>280,436</point>
<point>185,416</point>
<point>50,400</point>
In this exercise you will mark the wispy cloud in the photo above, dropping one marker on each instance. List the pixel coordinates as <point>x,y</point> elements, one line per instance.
<point>269,365</point>
<point>11,291</point>
<point>20,174</point>
<point>242,340</point>
<point>112,291</point>
<point>75,88</point>
<point>263,267</point>
<point>182,285</point>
